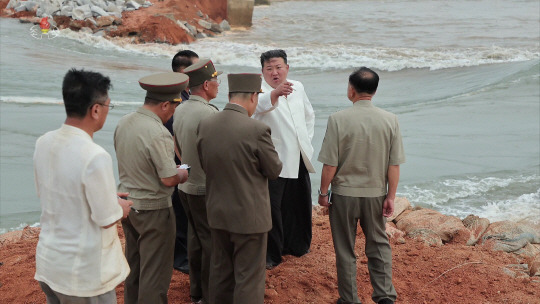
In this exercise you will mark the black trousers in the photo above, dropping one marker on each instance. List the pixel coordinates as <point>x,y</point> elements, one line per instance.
<point>180,243</point>
<point>291,205</point>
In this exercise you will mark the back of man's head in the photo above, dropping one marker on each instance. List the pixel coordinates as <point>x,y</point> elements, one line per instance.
<point>364,80</point>
<point>266,56</point>
<point>183,59</point>
<point>82,89</point>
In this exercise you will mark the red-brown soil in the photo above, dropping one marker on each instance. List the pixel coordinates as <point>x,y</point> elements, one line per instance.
<point>452,273</point>
<point>152,24</point>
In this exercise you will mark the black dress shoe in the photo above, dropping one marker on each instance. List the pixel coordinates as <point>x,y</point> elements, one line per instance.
<point>385,301</point>
<point>270,265</point>
<point>183,268</point>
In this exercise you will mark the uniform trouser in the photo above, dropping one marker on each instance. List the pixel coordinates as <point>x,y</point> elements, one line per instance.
<point>149,252</point>
<point>180,244</point>
<point>237,272</point>
<point>199,244</point>
<point>291,205</point>
<point>54,297</point>
<point>345,213</point>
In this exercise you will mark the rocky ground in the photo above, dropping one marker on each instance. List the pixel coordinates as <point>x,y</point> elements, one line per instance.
<point>167,21</point>
<point>432,263</point>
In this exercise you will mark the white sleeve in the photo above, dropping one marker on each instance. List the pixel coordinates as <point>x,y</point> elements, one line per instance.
<point>265,103</point>
<point>100,190</point>
<point>309,115</point>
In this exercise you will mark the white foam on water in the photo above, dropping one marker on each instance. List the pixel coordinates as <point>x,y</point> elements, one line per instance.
<point>20,227</point>
<point>321,57</point>
<point>526,206</point>
<point>490,197</point>
<point>50,100</point>
<point>30,100</point>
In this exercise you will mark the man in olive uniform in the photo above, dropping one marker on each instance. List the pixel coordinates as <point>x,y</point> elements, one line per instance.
<point>203,84</point>
<point>361,153</point>
<point>145,153</point>
<point>238,156</point>
<point>180,61</point>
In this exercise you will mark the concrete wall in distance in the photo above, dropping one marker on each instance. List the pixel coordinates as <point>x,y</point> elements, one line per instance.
<point>240,12</point>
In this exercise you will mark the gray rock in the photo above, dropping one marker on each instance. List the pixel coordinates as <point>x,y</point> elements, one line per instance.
<point>199,13</point>
<point>448,228</point>
<point>12,4</point>
<point>429,237</point>
<point>129,9</point>
<point>400,203</point>
<point>182,26</point>
<point>132,4</point>
<point>98,11</point>
<point>86,30</point>
<point>141,2</point>
<point>83,2</point>
<point>200,35</point>
<point>112,8</point>
<point>207,25</point>
<point>99,3</point>
<point>147,4</point>
<point>20,8</point>
<point>93,21</point>
<point>31,6</point>
<point>216,28</point>
<point>225,25</point>
<point>120,3</point>
<point>66,10</point>
<point>81,12</point>
<point>104,21</point>
<point>477,226</point>
<point>117,16</point>
<point>510,236</point>
<point>191,28</point>
<point>100,33</point>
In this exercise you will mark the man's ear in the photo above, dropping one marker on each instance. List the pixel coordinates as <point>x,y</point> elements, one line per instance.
<point>94,111</point>
<point>165,105</point>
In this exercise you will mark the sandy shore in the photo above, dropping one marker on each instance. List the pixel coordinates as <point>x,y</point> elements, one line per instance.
<point>452,273</point>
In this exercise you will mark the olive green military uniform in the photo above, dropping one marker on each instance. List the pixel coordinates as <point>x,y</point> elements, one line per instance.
<point>361,141</point>
<point>192,193</point>
<point>145,153</point>
<point>238,157</point>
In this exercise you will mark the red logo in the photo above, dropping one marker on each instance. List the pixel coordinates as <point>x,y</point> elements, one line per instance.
<point>44,25</point>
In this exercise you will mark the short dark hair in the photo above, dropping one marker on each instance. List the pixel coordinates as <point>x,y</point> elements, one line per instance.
<point>241,95</point>
<point>266,56</point>
<point>183,59</point>
<point>364,80</point>
<point>82,89</point>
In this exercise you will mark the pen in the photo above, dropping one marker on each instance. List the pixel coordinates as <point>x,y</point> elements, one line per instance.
<point>130,207</point>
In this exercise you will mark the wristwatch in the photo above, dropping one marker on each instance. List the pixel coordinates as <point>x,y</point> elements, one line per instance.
<point>323,195</point>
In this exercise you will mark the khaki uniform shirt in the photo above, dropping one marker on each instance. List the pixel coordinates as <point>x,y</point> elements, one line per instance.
<point>362,141</point>
<point>145,153</point>
<point>238,156</point>
<point>186,120</point>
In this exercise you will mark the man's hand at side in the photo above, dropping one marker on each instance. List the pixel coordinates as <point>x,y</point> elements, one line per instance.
<point>125,204</point>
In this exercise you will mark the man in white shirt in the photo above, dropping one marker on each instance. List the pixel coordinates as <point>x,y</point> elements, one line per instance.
<point>79,257</point>
<point>285,107</point>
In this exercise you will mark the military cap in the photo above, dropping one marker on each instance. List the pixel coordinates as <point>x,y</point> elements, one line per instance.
<point>164,86</point>
<point>244,83</point>
<point>201,71</point>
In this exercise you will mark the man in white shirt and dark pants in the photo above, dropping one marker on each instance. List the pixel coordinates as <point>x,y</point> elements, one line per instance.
<point>285,107</point>
<point>79,257</point>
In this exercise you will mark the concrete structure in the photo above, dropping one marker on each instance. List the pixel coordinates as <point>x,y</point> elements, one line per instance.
<point>240,12</point>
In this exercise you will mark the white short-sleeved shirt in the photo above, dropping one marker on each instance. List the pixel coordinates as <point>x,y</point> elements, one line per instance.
<point>76,187</point>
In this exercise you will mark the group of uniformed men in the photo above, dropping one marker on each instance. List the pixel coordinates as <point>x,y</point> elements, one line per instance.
<point>242,184</point>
